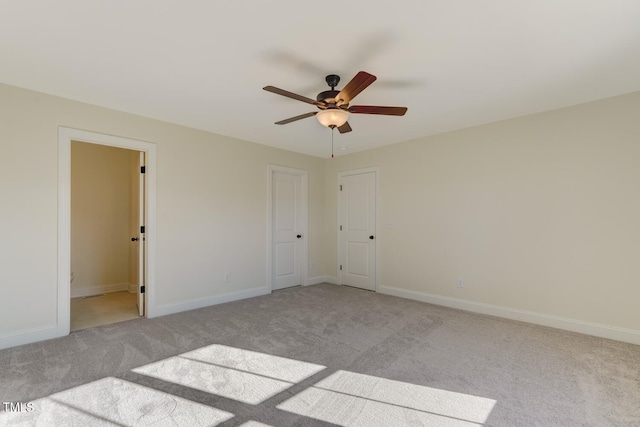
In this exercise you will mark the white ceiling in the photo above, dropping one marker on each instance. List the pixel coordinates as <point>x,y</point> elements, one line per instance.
<point>453,63</point>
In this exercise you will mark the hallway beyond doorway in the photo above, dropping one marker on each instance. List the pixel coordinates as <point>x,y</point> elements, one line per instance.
<point>103,309</point>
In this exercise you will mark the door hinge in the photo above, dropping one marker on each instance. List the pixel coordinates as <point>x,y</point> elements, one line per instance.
<point>340,228</point>
<point>142,229</point>
<point>142,289</point>
<point>340,267</point>
<point>143,169</point>
<point>340,187</point>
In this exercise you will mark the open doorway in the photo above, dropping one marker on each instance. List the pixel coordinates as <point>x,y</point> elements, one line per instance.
<point>107,242</point>
<point>65,136</point>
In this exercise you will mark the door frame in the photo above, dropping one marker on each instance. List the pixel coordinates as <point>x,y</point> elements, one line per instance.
<point>304,184</point>
<point>65,136</point>
<point>376,242</point>
<point>141,220</point>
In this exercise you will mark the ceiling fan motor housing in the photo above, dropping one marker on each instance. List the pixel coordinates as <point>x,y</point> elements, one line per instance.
<point>328,96</point>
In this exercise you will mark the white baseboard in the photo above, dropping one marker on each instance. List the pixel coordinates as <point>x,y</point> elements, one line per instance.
<point>95,290</point>
<point>163,310</point>
<point>29,336</point>
<point>133,288</point>
<point>321,279</point>
<point>588,328</point>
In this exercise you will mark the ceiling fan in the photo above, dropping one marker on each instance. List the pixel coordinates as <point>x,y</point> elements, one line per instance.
<point>334,104</point>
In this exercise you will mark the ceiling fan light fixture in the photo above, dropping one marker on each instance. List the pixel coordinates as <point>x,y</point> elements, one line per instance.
<point>333,117</point>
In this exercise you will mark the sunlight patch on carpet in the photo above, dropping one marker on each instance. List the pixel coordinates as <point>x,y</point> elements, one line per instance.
<point>351,399</point>
<point>280,368</point>
<point>243,375</point>
<point>115,402</point>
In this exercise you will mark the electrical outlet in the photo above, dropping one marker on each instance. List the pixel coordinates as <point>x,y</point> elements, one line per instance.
<point>460,282</point>
<point>312,266</point>
<point>227,278</point>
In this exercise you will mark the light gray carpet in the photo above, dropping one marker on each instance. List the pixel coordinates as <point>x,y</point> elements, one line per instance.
<point>323,355</point>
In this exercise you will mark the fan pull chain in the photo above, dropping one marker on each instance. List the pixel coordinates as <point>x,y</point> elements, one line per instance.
<point>332,129</point>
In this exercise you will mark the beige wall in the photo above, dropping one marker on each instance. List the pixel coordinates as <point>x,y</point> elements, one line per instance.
<point>211,206</point>
<point>539,213</point>
<point>100,218</point>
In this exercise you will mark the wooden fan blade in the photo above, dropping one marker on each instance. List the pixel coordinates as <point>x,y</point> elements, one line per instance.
<point>372,109</point>
<point>359,83</point>
<point>344,128</point>
<point>292,95</point>
<point>293,119</point>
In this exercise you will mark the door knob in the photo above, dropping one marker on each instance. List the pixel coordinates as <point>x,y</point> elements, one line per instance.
<point>134,239</point>
<point>371,237</point>
<point>299,236</point>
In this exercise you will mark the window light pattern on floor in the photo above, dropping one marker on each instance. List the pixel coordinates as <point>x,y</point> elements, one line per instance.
<point>351,399</point>
<point>242,375</point>
<point>115,402</point>
<point>250,378</point>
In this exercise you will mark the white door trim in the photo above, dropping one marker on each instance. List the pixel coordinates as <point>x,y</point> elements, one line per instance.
<point>142,205</point>
<point>304,178</point>
<point>376,171</point>
<point>65,136</point>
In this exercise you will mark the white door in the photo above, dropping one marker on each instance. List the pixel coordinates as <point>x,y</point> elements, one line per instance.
<point>141,236</point>
<point>357,230</point>
<point>287,229</point>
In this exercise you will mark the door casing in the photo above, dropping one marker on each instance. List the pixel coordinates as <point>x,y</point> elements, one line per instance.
<point>142,186</point>
<point>65,136</point>
<point>340,254</point>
